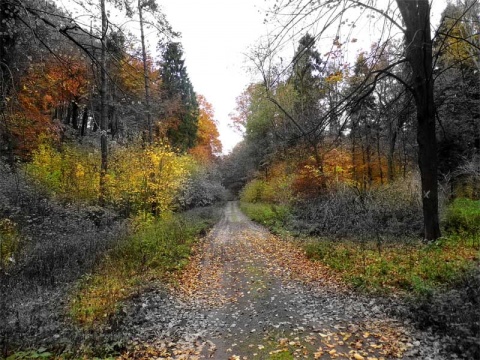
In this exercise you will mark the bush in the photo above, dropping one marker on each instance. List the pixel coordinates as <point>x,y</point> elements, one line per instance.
<point>70,174</point>
<point>254,191</point>
<point>202,188</point>
<point>277,190</point>
<point>138,180</point>
<point>275,217</point>
<point>456,313</point>
<point>463,215</point>
<point>10,244</point>
<point>390,210</point>
<point>157,249</point>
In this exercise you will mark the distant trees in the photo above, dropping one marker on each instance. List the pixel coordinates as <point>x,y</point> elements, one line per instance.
<point>208,145</point>
<point>329,98</point>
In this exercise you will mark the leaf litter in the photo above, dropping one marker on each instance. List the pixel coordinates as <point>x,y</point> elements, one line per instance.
<point>246,294</point>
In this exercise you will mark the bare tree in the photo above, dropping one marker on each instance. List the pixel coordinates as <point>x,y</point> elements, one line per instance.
<point>407,18</point>
<point>103,103</point>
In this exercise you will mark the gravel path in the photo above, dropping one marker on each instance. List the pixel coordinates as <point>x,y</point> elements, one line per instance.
<point>249,295</point>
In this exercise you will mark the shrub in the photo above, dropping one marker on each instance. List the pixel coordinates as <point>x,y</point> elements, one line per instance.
<point>138,179</point>
<point>71,174</point>
<point>201,189</point>
<point>273,216</point>
<point>390,210</point>
<point>10,244</point>
<point>456,313</point>
<point>463,215</point>
<point>158,248</point>
<point>254,191</point>
<point>146,179</point>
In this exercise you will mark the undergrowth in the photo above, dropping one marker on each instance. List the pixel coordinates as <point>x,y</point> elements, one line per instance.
<point>272,216</point>
<point>440,279</point>
<point>407,266</point>
<point>159,248</point>
<point>10,243</point>
<point>375,260</point>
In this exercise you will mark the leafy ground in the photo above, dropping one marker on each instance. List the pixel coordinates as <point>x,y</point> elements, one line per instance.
<point>248,295</point>
<point>245,294</point>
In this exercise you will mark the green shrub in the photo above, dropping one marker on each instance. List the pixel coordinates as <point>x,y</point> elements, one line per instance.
<point>157,249</point>
<point>463,215</point>
<point>273,216</point>
<point>9,243</point>
<point>254,191</point>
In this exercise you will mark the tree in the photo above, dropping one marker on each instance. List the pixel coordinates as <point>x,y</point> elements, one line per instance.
<point>103,103</point>
<point>208,145</point>
<point>412,18</point>
<point>177,91</point>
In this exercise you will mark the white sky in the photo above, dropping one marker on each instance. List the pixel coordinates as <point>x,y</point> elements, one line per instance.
<point>215,35</point>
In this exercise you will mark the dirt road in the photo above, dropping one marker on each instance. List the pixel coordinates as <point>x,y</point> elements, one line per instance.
<point>249,295</point>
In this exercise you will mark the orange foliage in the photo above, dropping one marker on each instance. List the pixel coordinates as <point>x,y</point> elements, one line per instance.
<point>130,73</point>
<point>311,181</point>
<point>44,86</point>
<point>208,143</point>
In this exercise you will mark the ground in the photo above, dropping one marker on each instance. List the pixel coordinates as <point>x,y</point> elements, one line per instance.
<point>249,295</point>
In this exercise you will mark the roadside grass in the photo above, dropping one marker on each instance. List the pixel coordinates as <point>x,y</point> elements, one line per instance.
<point>270,215</point>
<point>155,251</point>
<point>408,266</point>
<point>400,264</point>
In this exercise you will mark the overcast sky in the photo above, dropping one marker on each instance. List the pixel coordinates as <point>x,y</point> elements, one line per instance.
<point>215,35</point>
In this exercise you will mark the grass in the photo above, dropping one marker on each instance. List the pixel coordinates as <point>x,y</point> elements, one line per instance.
<point>158,249</point>
<point>272,216</point>
<point>411,267</point>
<point>404,265</point>
<point>463,216</point>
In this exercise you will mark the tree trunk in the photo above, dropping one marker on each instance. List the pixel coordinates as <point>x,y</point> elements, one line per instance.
<point>84,121</point>
<point>416,15</point>
<point>69,114</point>
<point>103,105</point>
<point>379,156</point>
<point>145,74</point>
<point>392,140</point>
<point>75,115</point>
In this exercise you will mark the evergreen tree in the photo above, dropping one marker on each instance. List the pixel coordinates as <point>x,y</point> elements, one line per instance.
<point>177,90</point>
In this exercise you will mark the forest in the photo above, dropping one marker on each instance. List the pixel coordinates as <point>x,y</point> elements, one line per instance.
<point>345,224</point>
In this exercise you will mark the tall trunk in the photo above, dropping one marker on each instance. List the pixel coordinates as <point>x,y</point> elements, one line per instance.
<point>392,138</point>
<point>75,115</point>
<point>103,105</point>
<point>7,46</point>
<point>416,15</point>
<point>354,160</point>
<point>84,121</point>
<point>145,74</point>
<point>379,155</point>
<point>69,114</point>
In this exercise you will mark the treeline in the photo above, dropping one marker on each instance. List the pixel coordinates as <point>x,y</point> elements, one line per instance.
<point>69,81</point>
<point>320,124</point>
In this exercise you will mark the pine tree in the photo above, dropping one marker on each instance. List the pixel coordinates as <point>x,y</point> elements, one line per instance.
<point>177,89</point>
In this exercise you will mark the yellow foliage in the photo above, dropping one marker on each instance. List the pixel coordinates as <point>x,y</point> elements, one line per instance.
<point>147,179</point>
<point>142,180</point>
